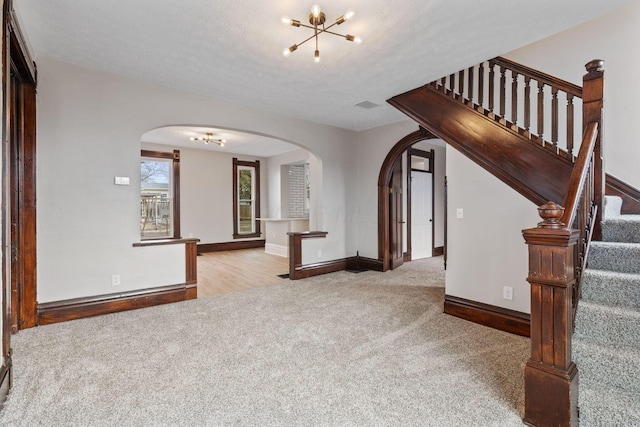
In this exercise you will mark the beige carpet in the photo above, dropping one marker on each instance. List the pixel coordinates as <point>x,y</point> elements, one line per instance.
<point>340,349</point>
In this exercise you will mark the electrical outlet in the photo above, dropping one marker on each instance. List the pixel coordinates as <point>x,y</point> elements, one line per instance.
<point>459,213</point>
<point>507,293</point>
<point>319,253</point>
<point>115,280</point>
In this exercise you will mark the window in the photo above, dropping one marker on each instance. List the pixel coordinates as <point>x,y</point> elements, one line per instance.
<point>246,199</point>
<point>159,195</point>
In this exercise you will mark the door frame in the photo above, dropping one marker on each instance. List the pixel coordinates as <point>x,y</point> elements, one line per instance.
<point>384,178</point>
<point>18,180</point>
<point>431,155</point>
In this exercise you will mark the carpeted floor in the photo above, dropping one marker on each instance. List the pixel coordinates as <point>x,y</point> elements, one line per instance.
<point>340,349</point>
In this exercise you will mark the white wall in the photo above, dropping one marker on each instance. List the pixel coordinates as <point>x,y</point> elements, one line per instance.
<point>612,38</point>
<point>89,129</point>
<point>485,249</point>
<point>206,191</point>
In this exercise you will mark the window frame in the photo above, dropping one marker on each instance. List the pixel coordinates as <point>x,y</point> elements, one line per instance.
<point>175,188</point>
<point>237,166</point>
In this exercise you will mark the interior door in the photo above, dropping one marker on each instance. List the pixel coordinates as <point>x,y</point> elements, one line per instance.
<point>395,216</point>
<point>421,215</point>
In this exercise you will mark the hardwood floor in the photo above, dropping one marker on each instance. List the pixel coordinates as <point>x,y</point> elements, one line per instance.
<point>228,271</point>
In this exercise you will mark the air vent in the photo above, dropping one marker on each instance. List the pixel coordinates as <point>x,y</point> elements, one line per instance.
<point>367,104</point>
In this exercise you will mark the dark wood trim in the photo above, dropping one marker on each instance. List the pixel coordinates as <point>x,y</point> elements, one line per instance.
<point>630,195</point>
<point>175,169</point>
<point>256,203</point>
<point>324,267</point>
<point>406,257</point>
<point>369,263</point>
<point>78,308</point>
<point>191,261</point>
<point>384,180</point>
<point>438,251</point>
<point>163,242</point>
<point>230,246</point>
<point>295,250</point>
<point>6,379</point>
<point>495,317</point>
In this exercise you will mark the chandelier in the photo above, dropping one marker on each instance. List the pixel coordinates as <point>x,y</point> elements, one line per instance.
<point>317,19</point>
<point>208,139</point>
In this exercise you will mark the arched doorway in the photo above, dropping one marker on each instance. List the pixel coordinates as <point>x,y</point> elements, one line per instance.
<point>389,219</point>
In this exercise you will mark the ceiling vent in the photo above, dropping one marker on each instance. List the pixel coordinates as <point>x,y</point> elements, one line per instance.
<point>367,104</point>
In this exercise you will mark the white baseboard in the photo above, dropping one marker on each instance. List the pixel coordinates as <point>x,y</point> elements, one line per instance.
<point>273,249</point>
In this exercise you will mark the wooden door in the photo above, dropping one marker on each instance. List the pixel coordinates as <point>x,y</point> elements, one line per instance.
<point>396,222</point>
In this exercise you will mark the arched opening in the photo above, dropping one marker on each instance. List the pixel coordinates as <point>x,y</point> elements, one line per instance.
<point>388,239</point>
<point>240,193</point>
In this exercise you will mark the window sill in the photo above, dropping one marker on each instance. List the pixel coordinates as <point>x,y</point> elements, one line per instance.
<point>247,236</point>
<point>160,242</point>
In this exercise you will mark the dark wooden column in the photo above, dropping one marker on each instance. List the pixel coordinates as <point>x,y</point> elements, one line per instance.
<point>551,377</point>
<point>592,105</point>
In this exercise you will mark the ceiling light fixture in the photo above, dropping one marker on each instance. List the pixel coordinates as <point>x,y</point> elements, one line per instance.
<point>208,138</point>
<point>317,19</point>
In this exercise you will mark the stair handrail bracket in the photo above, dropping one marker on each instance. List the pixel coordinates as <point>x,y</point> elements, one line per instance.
<point>558,250</point>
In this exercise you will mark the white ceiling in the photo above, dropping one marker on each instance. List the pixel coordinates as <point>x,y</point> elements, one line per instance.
<point>232,50</point>
<point>236,142</point>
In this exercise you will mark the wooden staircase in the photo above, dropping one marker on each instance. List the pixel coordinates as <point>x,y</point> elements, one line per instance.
<point>488,113</point>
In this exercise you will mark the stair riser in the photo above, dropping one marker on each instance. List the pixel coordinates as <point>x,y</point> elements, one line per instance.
<point>608,328</point>
<point>619,370</point>
<point>623,258</point>
<point>611,290</point>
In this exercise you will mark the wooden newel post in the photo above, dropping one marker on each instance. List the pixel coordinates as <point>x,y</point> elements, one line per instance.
<point>551,377</point>
<point>592,106</point>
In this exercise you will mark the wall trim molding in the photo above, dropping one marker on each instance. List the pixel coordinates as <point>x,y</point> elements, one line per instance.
<point>495,317</point>
<point>230,246</point>
<point>369,263</point>
<point>278,250</point>
<point>438,251</point>
<point>324,267</point>
<point>78,308</point>
<point>6,376</point>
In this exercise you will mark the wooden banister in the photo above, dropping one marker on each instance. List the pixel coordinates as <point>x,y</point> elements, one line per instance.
<point>547,79</point>
<point>578,177</point>
<point>558,249</point>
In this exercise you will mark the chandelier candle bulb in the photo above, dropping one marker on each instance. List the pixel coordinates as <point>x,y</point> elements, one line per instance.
<point>317,19</point>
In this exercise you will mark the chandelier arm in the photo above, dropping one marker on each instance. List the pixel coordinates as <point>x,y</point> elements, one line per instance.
<point>336,34</point>
<point>306,40</point>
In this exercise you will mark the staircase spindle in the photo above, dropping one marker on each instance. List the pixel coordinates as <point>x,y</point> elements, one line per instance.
<point>554,116</point>
<point>470,85</point>
<point>503,89</point>
<point>492,78</point>
<point>461,84</point>
<point>570,124</point>
<point>514,98</point>
<point>540,109</point>
<point>527,103</point>
<point>452,84</point>
<point>443,82</point>
<point>481,84</point>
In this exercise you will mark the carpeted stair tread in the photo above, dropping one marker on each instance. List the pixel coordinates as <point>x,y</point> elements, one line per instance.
<point>607,407</point>
<point>612,206</point>
<point>614,256</point>
<point>608,324</point>
<point>624,228</point>
<point>613,288</point>
<point>610,365</point>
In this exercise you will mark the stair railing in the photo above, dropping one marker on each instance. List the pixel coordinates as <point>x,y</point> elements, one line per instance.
<point>502,89</point>
<point>558,250</point>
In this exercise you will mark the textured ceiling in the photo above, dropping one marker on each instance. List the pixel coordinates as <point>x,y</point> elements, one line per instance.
<point>232,50</point>
<point>235,142</point>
